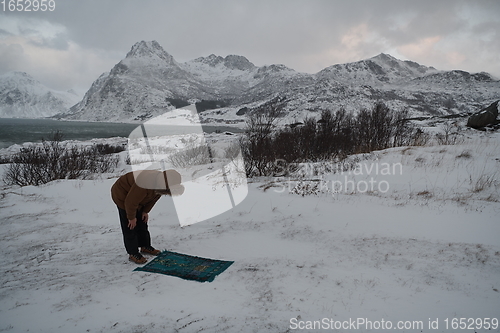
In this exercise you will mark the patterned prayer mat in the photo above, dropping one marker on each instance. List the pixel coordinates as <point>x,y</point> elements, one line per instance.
<point>186,266</point>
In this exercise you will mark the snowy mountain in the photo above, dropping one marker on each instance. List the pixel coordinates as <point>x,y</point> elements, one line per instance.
<point>382,68</point>
<point>21,96</point>
<point>224,77</point>
<point>149,81</point>
<point>137,87</point>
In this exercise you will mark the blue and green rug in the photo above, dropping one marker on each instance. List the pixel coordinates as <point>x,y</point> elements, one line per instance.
<point>185,266</point>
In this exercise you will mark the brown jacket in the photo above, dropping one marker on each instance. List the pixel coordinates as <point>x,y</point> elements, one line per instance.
<point>130,197</point>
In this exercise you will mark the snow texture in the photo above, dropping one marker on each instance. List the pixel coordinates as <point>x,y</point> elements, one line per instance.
<point>425,249</point>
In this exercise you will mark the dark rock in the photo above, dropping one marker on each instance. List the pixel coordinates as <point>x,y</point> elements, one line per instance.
<point>296,124</point>
<point>485,117</point>
<point>209,105</point>
<point>177,102</point>
<point>242,111</point>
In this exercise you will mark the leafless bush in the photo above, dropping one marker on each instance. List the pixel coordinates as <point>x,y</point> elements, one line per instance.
<point>106,148</point>
<point>197,155</point>
<point>40,164</point>
<point>482,182</point>
<point>232,151</point>
<point>450,135</point>
<point>304,188</point>
<point>335,135</point>
<point>257,145</point>
<point>5,160</point>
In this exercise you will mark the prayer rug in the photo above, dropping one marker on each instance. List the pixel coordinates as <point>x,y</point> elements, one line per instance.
<point>186,266</point>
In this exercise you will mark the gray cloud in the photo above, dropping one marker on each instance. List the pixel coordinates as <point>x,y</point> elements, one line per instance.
<point>58,42</point>
<point>304,35</point>
<point>12,57</point>
<point>5,33</point>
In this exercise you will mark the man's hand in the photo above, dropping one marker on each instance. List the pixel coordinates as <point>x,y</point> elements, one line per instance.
<point>132,223</point>
<point>145,217</point>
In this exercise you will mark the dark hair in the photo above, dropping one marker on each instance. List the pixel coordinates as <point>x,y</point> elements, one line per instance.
<point>163,192</point>
<point>174,190</point>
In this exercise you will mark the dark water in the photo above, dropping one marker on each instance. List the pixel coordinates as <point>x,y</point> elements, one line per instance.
<point>18,131</point>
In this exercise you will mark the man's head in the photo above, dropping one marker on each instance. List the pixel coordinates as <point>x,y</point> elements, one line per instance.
<point>164,183</point>
<point>171,183</point>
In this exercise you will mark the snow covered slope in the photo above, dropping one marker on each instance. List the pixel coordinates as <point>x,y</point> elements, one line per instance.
<point>426,249</point>
<point>21,96</point>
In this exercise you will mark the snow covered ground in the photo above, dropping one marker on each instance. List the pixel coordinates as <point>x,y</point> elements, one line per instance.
<point>408,238</point>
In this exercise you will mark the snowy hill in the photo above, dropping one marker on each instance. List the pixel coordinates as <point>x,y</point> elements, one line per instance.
<point>149,81</point>
<point>422,248</point>
<point>21,96</point>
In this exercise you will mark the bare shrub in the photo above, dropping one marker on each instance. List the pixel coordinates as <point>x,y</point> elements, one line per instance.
<point>257,145</point>
<point>334,136</point>
<point>465,155</point>
<point>5,160</point>
<point>304,188</point>
<point>482,182</point>
<point>197,155</point>
<point>232,151</point>
<point>450,135</point>
<point>374,128</point>
<point>40,164</point>
<point>106,148</point>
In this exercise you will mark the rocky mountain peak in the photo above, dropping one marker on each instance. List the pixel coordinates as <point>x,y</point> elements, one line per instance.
<point>231,61</point>
<point>212,60</point>
<point>405,67</point>
<point>382,68</point>
<point>20,77</point>
<point>384,57</point>
<point>238,62</point>
<point>149,49</point>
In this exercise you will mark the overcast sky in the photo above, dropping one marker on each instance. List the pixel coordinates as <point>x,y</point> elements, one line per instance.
<point>72,45</point>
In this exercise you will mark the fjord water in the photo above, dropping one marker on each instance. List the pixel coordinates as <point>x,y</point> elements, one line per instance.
<point>18,131</point>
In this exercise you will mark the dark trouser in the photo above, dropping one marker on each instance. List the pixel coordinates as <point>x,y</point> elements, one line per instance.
<point>137,237</point>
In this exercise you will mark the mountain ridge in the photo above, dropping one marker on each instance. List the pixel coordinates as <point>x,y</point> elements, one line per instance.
<point>380,68</point>
<point>149,81</point>
<point>22,96</point>
<point>238,83</point>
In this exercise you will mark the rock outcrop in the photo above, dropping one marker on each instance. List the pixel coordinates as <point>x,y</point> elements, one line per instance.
<point>486,117</point>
